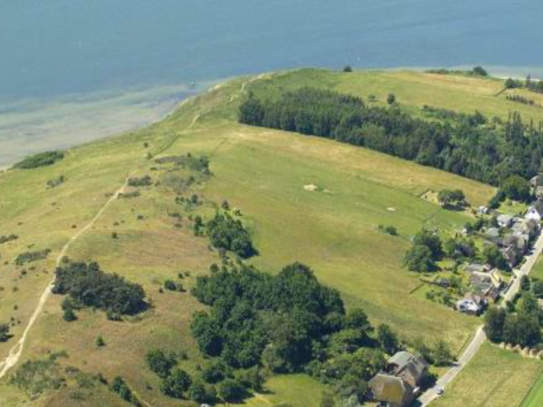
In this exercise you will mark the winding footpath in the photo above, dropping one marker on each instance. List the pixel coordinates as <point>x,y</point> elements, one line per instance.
<point>16,351</point>
<point>480,337</point>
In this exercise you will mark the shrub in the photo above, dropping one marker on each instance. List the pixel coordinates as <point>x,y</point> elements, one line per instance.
<point>88,285</point>
<point>100,341</point>
<point>69,315</point>
<point>144,181</point>
<point>228,233</point>
<point>29,257</point>
<point>231,391</point>
<point>176,384</point>
<point>202,393</point>
<point>8,238</point>
<point>4,333</point>
<point>40,160</point>
<point>160,362</point>
<point>37,376</point>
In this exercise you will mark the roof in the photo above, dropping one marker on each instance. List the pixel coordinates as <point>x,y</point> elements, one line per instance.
<point>474,268</point>
<point>415,365</point>
<point>504,218</point>
<point>467,305</point>
<point>389,388</point>
<point>537,206</point>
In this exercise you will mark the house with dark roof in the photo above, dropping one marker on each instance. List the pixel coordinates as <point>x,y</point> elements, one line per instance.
<point>399,384</point>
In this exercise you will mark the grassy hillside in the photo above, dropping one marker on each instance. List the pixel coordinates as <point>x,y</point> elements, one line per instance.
<point>334,229</point>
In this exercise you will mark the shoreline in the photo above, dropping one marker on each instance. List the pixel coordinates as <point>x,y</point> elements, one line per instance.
<point>35,127</point>
<point>32,126</point>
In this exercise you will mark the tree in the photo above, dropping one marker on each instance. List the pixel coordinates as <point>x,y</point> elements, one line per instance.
<point>391,98</point>
<point>4,333</point>
<point>537,288</point>
<point>160,363</point>
<point>202,393</point>
<point>432,241</point>
<point>176,384</point>
<point>207,332</point>
<point>494,257</point>
<point>516,188</point>
<point>451,198</point>
<point>525,283</point>
<point>69,315</point>
<point>231,391</point>
<point>480,71</point>
<point>510,83</point>
<point>251,111</point>
<point>347,68</point>
<point>251,378</point>
<point>494,323</point>
<point>521,329</point>
<point>419,258</point>
<point>442,354</point>
<point>388,339</point>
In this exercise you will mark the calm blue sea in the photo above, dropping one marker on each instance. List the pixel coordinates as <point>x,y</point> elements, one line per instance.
<point>53,48</point>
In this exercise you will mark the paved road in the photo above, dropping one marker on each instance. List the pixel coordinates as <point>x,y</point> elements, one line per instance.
<point>480,337</point>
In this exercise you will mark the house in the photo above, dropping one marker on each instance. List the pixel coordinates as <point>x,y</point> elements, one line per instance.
<point>526,227</point>
<point>519,242</point>
<point>468,307</point>
<point>535,211</point>
<point>512,255</point>
<point>476,268</point>
<point>505,221</point>
<point>399,383</point>
<point>497,279</point>
<point>493,235</point>
<point>443,282</point>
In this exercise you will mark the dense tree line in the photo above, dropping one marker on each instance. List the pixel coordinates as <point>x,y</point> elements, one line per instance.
<point>521,321</point>
<point>468,145</point>
<point>534,86</point>
<point>87,285</point>
<point>286,323</point>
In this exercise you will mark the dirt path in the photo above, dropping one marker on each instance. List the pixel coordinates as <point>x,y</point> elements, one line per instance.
<point>16,351</point>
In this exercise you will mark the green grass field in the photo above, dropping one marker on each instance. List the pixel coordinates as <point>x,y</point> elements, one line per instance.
<point>494,378</point>
<point>535,396</point>
<point>333,229</point>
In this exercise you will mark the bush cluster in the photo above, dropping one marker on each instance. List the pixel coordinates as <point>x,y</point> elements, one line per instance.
<point>89,286</point>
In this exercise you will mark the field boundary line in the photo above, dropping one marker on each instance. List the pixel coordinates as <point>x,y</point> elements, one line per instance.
<point>538,382</point>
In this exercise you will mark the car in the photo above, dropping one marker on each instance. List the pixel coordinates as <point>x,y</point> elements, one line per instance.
<point>440,390</point>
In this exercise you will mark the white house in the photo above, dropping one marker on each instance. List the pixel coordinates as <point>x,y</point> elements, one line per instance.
<point>535,212</point>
